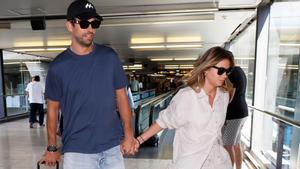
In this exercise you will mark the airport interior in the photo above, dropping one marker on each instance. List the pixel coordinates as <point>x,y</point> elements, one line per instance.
<point>158,41</point>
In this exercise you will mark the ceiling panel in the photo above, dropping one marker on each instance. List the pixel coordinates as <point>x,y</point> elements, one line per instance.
<point>157,22</point>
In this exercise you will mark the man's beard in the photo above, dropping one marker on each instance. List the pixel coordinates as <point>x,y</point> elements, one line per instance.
<point>81,41</point>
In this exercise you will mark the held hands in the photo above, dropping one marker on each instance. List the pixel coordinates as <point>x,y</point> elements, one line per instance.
<point>131,147</point>
<point>128,146</point>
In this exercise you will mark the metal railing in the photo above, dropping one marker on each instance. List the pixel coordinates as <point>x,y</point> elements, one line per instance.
<point>148,112</point>
<point>282,123</point>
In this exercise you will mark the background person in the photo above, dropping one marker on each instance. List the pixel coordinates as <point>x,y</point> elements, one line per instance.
<point>197,113</point>
<point>135,85</point>
<point>35,93</point>
<point>87,83</point>
<point>237,113</point>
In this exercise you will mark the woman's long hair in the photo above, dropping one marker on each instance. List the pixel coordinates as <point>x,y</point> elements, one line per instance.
<point>210,58</point>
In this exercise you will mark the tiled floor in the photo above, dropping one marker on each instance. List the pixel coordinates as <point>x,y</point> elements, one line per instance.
<point>21,148</point>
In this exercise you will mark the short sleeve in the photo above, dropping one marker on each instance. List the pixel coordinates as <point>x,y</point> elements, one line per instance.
<point>173,116</point>
<point>53,90</point>
<point>120,80</point>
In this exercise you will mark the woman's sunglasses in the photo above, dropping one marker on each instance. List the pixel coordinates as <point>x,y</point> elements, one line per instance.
<point>222,70</point>
<point>84,24</point>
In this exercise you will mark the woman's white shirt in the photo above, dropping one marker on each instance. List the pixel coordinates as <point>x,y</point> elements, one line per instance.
<point>198,127</point>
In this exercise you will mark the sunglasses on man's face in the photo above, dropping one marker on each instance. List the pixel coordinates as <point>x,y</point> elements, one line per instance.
<point>222,70</point>
<point>84,24</point>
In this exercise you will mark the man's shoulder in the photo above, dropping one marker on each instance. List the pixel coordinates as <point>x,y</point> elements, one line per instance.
<point>106,50</point>
<point>59,60</point>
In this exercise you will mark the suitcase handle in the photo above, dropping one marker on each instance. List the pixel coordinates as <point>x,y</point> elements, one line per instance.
<point>43,162</point>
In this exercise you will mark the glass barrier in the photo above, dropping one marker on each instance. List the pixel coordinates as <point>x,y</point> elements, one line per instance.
<point>274,142</point>
<point>16,104</point>
<point>283,60</point>
<point>18,69</point>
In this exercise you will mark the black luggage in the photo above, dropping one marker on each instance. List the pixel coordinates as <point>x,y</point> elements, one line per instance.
<point>43,162</point>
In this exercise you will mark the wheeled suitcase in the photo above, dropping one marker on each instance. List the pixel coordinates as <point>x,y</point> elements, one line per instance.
<point>38,165</point>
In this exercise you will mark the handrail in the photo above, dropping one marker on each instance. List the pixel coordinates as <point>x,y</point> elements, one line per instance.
<point>144,91</point>
<point>148,106</point>
<point>159,97</point>
<point>278,117</point>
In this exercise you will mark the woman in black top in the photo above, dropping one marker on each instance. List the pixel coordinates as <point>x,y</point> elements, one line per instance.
<point>237,113</point>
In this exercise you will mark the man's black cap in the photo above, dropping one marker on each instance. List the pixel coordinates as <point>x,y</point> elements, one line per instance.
<point>82,9</point>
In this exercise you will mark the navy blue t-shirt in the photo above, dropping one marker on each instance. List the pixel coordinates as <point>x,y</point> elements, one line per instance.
<point>85,85</point>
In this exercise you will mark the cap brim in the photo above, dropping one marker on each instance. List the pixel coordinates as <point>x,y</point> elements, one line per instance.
<point>89,15</point>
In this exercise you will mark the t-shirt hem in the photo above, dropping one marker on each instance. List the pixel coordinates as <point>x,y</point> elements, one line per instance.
<point>73,150</point>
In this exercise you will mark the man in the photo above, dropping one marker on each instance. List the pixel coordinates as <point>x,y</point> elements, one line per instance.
<point>237,113</point>
<point>135,87</point>
<point>35,97</point>
<point>87,83</point>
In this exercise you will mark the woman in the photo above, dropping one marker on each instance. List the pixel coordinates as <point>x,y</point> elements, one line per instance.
<point>197,113</point>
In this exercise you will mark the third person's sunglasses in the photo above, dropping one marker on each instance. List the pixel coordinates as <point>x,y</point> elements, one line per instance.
<point>84,24</point>
<point>222,70</point>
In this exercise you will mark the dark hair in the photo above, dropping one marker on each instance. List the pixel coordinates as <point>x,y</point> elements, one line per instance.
<point>36,78</point>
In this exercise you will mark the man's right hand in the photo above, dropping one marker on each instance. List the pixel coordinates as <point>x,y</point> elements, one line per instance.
<point>50,158</point>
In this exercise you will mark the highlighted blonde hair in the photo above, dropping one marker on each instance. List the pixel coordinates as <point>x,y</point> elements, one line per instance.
<point>210,58</point>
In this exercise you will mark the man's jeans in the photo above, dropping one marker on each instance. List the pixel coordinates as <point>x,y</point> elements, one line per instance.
<point>109,159</point>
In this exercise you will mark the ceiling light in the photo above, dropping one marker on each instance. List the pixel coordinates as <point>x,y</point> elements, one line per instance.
<point>167,46</point>
<point>147,40</point>
<point>179,66</point>
<point>246,58</point>
<point>39,49</point>
<point>59,43</point>
<point>30,43</point>
<point>184,46</point>
<point>147,46</point>
<point>29,50</point>
<point>161,59</point>
<point>155,23</point>
<point>55,49</point>
<point>32,62</point>
<point>290,44</point>
<point>133,67</point>
<point>184,39</point>
<point>183,59</point>
<point>12,63</point>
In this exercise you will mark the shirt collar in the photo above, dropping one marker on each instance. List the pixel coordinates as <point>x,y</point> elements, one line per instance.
<point>202,93</point>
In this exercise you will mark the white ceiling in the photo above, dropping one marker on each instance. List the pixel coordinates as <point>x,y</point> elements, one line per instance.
<point>124,21</point>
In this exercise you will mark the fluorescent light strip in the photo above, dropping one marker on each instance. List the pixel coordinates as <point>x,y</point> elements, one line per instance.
<point>161,59</point>
<point>183,46</point>
<point>183,59</point>
<point>179,66</point>
<point>241,58</point>
<point>29,50</point>
<point>148,47</point>
<point>155,23</point>
<point>55,49</point>
<point>198,11</point>
<point>184,39</point>
<point>172,59</point>
<point>147,40</point>
<point>203,11</point>
<point>38,49</point>
<point>32,62</point>
<point>133,67</point>
<point>165,46</point>
<point>12,63</point>
<point>290,44</point>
